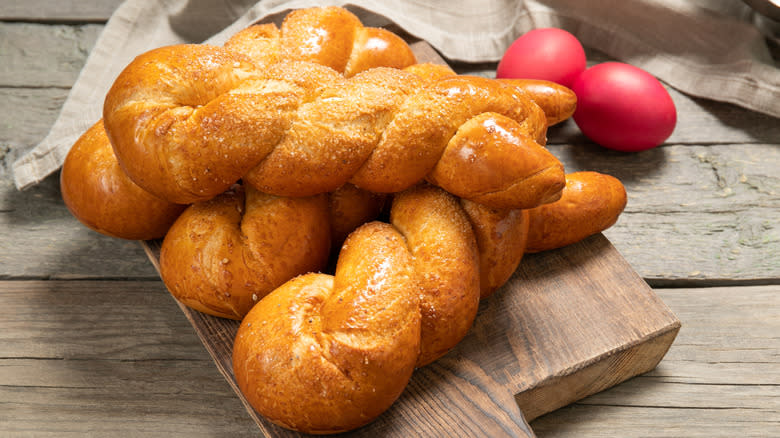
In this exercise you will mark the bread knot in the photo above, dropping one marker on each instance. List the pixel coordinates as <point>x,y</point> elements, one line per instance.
<point>325,354</point>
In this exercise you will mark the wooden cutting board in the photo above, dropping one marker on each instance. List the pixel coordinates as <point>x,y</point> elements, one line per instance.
<point>569,323</point>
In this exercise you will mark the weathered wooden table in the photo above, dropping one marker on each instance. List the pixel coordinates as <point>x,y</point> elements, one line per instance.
<point>91,343</point>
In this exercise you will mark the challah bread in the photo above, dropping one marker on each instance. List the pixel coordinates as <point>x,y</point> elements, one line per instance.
<point>223,255</point>
<point>103,198</point>
<point>327,354</point>
<point>330,36</point>
<point>294,129</point>
<point>590,203</point>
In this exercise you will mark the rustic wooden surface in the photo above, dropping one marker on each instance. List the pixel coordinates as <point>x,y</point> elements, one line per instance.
<point>90,342</point>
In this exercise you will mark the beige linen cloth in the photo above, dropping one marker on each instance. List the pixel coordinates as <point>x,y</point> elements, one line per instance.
<point>706,48</point>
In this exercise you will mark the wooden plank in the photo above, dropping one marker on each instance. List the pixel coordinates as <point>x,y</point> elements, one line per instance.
<point>39,238</point>
<point>85,320</point>
<point>40,55</point>
<point>721,377</point>
<point>41,411</point>
<point>694,213</point>
<point>106,357</point>
<point>58,11</point>
<point>28,115</point>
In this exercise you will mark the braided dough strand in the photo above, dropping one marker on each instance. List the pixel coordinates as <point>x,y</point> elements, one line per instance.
<point>323,354</point>
<point>327,354</point>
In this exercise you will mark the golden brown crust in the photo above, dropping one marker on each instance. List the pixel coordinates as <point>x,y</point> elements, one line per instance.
<point>333,135</point>
<point>590,203</point>
<point>444,250</point>
<point>507,168</point>
<point>323,354</point>
<point>557,101</point>
<point>181,139</point>
<point>223,255</point>
<point>349,208</point>
<point>103,198</point>
<point>501,238</point>
<point>262,43</point>
<point>430,72</point>
<point>330,36</point>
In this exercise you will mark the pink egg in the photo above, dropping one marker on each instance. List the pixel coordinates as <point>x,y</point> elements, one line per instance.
<point>548,53</point>
<point>623,107</point>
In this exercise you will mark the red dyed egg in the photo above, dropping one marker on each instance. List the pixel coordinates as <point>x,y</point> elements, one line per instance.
<point>623,107</point>
<point>548,53</point>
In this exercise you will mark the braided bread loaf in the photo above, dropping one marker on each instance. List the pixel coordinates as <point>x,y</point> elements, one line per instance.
<point>188,121</point>
<point>326,354</point>
<point>298,129</point>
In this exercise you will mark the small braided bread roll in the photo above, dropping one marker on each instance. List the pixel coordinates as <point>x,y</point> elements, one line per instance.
<point>223,255</point>
<point>326,354</point>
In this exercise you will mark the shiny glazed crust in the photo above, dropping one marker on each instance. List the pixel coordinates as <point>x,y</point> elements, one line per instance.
<point>224,255</point>
<point>590,203</point>
<point>103,198</point>
<point>325,354</point>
